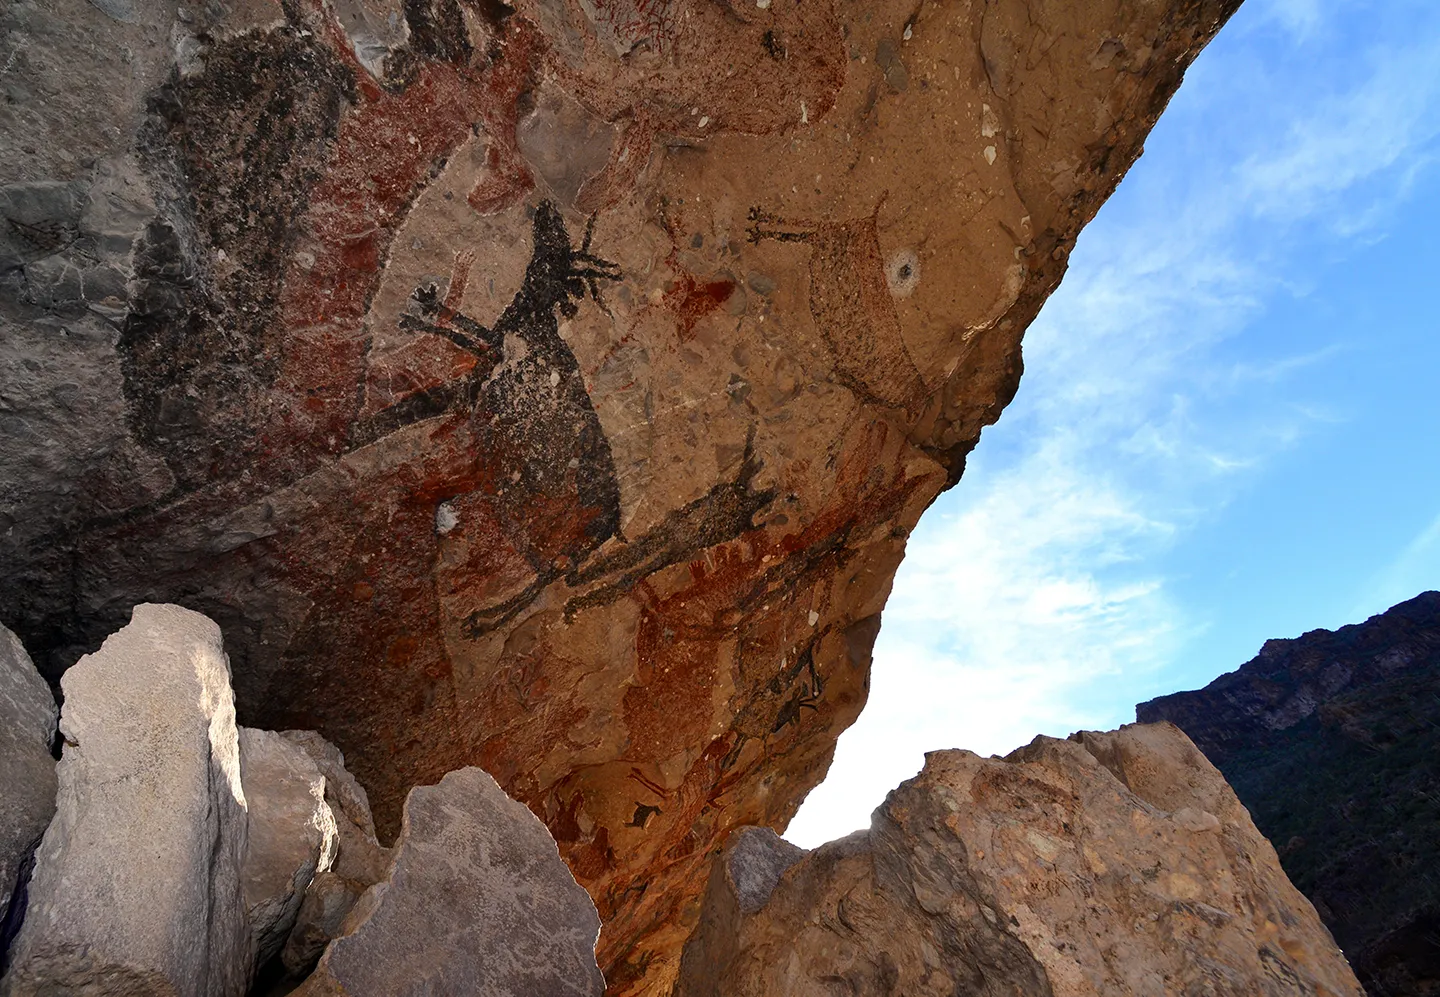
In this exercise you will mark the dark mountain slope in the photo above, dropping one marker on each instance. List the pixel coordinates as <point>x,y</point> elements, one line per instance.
<point>1332,740</point>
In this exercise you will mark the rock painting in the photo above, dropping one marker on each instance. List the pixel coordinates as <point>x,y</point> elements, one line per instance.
<point>613,513</point>
<point>531,416</point>
<point>852,305</point>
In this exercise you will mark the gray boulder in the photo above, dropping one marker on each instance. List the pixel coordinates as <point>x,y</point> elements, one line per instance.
<point>292,834</point>
<point>27,771</point>
<point>360,860</point>
<point>321,919</point>
<point>478,901</point>
<point>360,857</point>
<point>136,888</point>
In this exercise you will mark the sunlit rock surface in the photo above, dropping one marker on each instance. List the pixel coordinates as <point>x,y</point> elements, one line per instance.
<point>549,388</point>
<point>137,881</point>
<point>1108,865</point>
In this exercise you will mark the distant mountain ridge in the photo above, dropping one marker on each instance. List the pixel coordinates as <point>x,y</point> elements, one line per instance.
<point>1290,678</point>
<point>1332,740</point>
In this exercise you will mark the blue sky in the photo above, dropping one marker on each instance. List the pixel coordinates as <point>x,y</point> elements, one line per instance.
<point>1229,424</point>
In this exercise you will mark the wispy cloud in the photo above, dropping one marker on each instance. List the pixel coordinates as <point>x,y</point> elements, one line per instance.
<point>1302,18</point>
<point>1033,598</point>
<point>1409,572</point>
<point>1350,139</point>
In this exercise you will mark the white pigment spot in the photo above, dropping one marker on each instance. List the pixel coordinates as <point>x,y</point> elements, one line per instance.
<point>902,272</point>
<point>446,518</point>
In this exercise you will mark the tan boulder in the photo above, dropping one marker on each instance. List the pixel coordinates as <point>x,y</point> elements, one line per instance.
<point>136,888</point>
<point>477,902</point>
<point>1112,864</point>
<point>27,770</point>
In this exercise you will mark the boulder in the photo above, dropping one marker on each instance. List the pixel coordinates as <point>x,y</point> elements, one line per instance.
<point>292,834</point>
<point>137,881</point>
<point>321,919</point>
<point>477,902</point>
<point>1114,864</point>
<point>27,774</point>
<point>360,860</point>
<point>1330,741</point>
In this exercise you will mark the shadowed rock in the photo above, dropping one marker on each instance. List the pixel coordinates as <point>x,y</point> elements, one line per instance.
<point>360,861</point>
<point>27,774</point>
<point>136,888</point>
<point>1113,864</point>
<point>292,834</point>
<point>359,857</point>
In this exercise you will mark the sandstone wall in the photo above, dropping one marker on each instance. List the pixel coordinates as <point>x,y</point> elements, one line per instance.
<point>547,388</point>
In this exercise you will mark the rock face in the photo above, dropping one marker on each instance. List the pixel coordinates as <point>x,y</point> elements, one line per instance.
<point>136,887</point>
<point>546,387</point>
<point>27,773</point>
<point>359,857</point>
<point>1110,864</point>
<point>1330,740</point>
<point>477,902</point>
<point>292,835</point>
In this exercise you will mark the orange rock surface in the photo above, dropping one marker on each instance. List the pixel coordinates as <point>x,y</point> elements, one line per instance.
<point>549,388</point>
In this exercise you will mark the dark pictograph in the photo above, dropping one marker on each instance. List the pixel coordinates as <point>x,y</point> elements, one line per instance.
<point>534,419</point>
<point>531,414</point>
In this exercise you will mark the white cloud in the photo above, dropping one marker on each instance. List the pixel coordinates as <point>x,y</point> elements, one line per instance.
<point>1032,598</point>
<point>1349,139</point>
<point>999,606</point>
<point>1301,18</point>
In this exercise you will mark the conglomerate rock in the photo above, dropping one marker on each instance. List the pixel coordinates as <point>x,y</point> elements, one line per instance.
<point>27,771</point>
<point>1330,739</point>
<point>1109,865</point>
<point>136,887</point>
<point>477,902</point>
<point>546,387</point>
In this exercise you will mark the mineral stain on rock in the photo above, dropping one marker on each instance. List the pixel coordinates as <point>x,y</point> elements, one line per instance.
<point>622,557</point>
